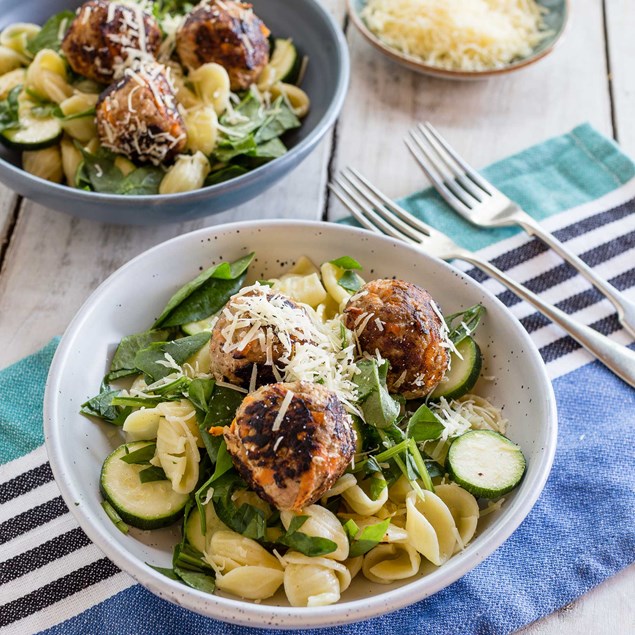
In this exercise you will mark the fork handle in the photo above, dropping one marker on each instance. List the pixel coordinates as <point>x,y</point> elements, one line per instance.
<point>625,308</point>
<point>620,359</point>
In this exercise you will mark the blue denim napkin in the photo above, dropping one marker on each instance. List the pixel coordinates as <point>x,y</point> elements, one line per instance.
<point>580,532</point>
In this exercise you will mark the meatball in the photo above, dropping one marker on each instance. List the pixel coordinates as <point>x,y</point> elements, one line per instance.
<point>257,327</point>
<point>228,33</point>
<point>138,117</point>
<point>399,320</point>
<point>104,35</point>
<point>291,461</point>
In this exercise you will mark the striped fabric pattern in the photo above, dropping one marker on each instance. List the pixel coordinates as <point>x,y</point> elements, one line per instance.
<point>49,570</point>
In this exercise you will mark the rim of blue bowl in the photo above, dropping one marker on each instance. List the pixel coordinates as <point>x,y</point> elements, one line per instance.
<point>302,148</point>
<point>415,64</point>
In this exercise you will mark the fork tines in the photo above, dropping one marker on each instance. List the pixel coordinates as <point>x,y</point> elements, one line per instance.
<point>374,210</point>
<point>457,182</point>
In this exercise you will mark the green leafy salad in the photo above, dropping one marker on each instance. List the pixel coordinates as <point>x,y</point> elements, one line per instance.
<point>139,98</point>
<point>281,425</point>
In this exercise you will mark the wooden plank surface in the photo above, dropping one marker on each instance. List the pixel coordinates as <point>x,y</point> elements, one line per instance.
<point>53,262</point>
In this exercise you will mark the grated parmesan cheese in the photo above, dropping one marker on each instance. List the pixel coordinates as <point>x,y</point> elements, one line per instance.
<point>467,35</point>
<point>284,406</point>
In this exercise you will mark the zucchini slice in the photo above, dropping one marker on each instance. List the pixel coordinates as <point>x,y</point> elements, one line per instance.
<point>285,61</point>
<point>206,324</point>
<point>33,134</point>
<point>144,505</point>
<point>358,427</point>
<point>485,463</point>
<point>463,373</point>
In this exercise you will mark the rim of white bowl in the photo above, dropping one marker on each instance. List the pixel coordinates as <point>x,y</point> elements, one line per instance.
<point>250,614</point>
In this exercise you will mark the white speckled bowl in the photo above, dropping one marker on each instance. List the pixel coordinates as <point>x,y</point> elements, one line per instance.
<point>127,303</point>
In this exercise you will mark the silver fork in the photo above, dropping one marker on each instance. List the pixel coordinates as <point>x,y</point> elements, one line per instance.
<point>376,212</point>
<point>480,203</point>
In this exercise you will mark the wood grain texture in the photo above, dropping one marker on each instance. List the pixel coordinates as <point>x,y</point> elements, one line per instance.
<point>54,262</point>
<point>8,200</point>
<point>620,27</point>
<point>486,120</point>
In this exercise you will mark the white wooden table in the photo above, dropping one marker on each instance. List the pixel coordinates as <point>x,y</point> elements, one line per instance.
<point>50,263</point>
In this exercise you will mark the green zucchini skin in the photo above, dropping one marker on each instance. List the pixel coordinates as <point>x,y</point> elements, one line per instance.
<point>37,135</point>
<point>463,373</point>
<point>143,505</point>
<point>485,463</point>
<point>286,61</point>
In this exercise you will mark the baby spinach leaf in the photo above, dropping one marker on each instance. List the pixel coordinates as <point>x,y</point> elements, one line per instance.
<point>197,580</point>
<point>350,281</point>
<point>148,360</point>
<point>423,425</point>
<point>434,468</point>
<point>379,408</point>
<point>123,362</point>
<point>377,485</point>
<point>168,573</point>
<point>52,33</point>
<point>200,392</point>
<point>464,323</point>
<point>104,176</point>
<point>222,406</point>
<point>228,149</point>
<point>9,118</point>
<point>223,462</point>
<point>363,541</point>
<point>102,407</point>
<point>268,150</point>
<point>140,456</point>
<point>246,519</point>
<point>308,545</point>
<point>346,262</point>
<point>206,294</point>
<point>152,473</point>
<point>225,174</point>
<point>137,402</point>
<point>279,119</point>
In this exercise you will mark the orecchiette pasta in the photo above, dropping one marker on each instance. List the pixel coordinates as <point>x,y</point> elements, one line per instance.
<point>354,565</point>
<point>386,563</point>
<point>201,123</point>
<point>430,526</point>
<point>46,77</point>
<point>306,288</point>
<point>322,523</point>
<point>211,84</point>
<point>343,483</point>
<point>10,80</point>
<point>10,60</point>
<point>463,507</point>
<point>304,267</point>
<point>295,96</point>
<point>243,567</point>
<point>71,160</point>
<point>47,163</point>
<point>177,453</point>
<point>187,174</point>
<point>360,502</point>
<point>213,524</point>
<point>314,581</point>
<point>142,425</point>
<point>17,36</point>
<point>81,128</point>
<point>198,364</point>
<point>182,411</point>
<point>124,165</point>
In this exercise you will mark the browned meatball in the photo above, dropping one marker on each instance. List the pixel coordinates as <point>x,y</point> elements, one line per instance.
<point>397,319</point>
<point>291,461</point>
<point>248,333</point>
<point>137,117</point>
<point>104,34</point>
<point>228,33</point>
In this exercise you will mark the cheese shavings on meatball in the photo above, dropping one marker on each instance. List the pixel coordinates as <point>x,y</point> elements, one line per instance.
<point>263,337</point>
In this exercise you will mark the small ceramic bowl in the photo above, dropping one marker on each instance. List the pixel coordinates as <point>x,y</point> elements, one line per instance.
<point>78,446</point>
<point>555,21</point>
<point>316,35</point>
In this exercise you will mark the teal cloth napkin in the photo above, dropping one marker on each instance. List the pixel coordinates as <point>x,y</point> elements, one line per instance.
<point>580,532</point>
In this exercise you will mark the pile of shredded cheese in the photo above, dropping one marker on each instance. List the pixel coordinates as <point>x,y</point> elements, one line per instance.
<point>467,35</point>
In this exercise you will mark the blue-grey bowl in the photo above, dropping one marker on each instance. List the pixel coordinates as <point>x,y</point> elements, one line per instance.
<point>316,35</point>
<point>556,17</point>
